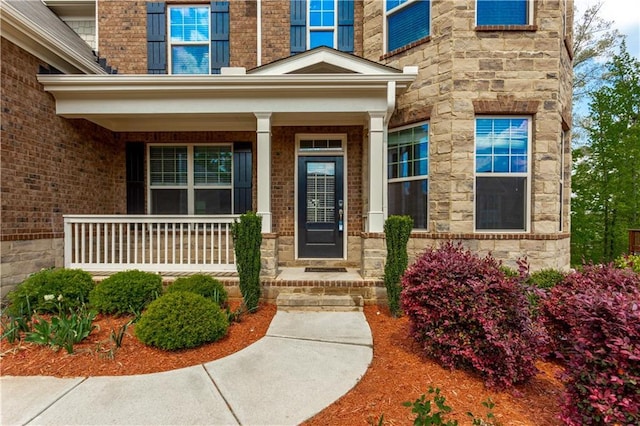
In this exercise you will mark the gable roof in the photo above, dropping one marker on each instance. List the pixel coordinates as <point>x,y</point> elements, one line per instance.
<point>32,26</point>
<point>323,60</point>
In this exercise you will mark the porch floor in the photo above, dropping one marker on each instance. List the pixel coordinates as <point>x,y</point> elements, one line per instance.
<point>299,274</point>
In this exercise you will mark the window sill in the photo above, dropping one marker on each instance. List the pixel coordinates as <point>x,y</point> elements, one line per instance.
<point>485,28</point>
<point>405,48</point>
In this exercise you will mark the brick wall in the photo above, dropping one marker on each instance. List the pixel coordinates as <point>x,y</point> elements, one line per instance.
<point>122,29</point>
<point>50,166</point>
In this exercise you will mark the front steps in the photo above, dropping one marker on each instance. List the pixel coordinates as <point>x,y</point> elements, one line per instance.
<point>291,300</point>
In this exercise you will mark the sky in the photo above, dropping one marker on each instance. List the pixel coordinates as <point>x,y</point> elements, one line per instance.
<point>625,15</point>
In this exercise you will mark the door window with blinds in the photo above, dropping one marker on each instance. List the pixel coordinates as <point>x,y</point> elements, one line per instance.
<point>321,191</point>
<point>190,179</point>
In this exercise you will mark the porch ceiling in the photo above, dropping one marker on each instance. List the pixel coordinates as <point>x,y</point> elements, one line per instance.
<point>225,102</point>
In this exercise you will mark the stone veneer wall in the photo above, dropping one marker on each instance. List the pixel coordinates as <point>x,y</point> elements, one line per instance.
<point>50,166</point>
<point>465,71</point>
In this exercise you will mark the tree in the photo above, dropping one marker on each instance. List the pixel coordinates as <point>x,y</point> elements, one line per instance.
<point>594,40</point>
<point>606,180</point>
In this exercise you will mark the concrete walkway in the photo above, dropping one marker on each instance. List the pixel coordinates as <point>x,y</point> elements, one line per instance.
<point>306,361</point>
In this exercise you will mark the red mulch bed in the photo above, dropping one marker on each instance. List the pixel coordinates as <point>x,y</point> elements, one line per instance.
<point>398,372</point>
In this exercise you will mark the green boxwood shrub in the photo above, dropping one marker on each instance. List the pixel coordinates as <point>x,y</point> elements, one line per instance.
<point>126,292</point>
<point>181,320</point>
<point>247,238</point>
<point>545,278</point>
<point>397,230</point>
<point>51,290</point>
<point>465,312</point>
<point>203,285</point>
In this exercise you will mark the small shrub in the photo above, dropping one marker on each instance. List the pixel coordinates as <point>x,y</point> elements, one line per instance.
<point>466,313</point>
<point>62,331</point>
<point>594,321</point>
<point>631,261</point>
<point>426,414</point>
<point>545,278</point>
<point>181,320</point>
<point>126,292</point>
<point>203,285</point>
<point>247,238</point>
<point>397,230</point>
<point>51,290</point>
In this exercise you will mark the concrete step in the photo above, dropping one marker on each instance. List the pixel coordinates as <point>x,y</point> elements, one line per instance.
<point>290,301</point>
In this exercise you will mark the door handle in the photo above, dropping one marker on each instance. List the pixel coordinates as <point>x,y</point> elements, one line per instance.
<point>340,214</point>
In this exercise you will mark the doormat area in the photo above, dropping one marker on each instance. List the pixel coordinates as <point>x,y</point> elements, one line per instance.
<point>319,269</point>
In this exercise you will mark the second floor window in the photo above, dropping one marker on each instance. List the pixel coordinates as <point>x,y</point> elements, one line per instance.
<point>503,12</point>
<point>322,22</point>
<point>190,39</point>
<point>407,21</point>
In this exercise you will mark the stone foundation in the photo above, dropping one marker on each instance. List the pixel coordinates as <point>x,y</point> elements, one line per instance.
<point>22,258</point>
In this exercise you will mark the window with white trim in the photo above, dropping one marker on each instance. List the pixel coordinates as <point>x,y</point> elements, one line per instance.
<point>408,173</point>
<point>503,12</point>
<point>407,21</point>
<point>190,179</point>
<point>322,23</point>
<point>502,184</point>
<point>189,38</point>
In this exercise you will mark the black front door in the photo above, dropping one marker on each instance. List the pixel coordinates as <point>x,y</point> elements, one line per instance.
<point>321,208</point>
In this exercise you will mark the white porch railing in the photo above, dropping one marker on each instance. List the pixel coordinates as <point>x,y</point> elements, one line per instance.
<point>149,243</point>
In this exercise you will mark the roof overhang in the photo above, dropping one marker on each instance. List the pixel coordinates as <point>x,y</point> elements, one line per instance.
<point>231,101</point>
<point>35,39</point>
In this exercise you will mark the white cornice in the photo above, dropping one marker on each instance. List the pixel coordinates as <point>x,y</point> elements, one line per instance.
<point>18,29</point>
<point>223,102</point>
<point>201,84</point>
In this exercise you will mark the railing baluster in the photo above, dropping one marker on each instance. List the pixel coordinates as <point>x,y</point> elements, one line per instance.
<point>204,243</point>
<point>150,227</point>
<point>135,245</point>
<point>196,231</point>
<point>173,243</point>
<point>226,244</point>
<point>120,237</point>
<point>189,243</point>
<point>91,243</point>
<point>181,243</point>
<point>166,242</point>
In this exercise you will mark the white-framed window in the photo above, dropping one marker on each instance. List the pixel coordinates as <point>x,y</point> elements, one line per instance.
<point>408,172</point>
<point>189,39</point>
<point>502,166</point>
<point>322,26</point>
<point>504,12</point>
<point>190,179</point>
<point>406,21</point>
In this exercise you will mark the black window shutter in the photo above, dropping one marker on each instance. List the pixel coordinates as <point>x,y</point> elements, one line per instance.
<point>156,38</point>
<point>298,26</point>
<point>345,25</point>
<point>135,177</point>
<point>242,177</point>
<point>219,35</point>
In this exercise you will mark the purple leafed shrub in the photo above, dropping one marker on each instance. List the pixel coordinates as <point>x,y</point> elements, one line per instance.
<point>561,310</point>
<point>595,318</point>
<point>466,313</point>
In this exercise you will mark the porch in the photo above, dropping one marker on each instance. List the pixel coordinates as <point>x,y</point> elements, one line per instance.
<point>175,246</point>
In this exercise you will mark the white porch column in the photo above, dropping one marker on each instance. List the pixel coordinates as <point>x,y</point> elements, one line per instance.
<point>264,169</point>
<point>377,189</point>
